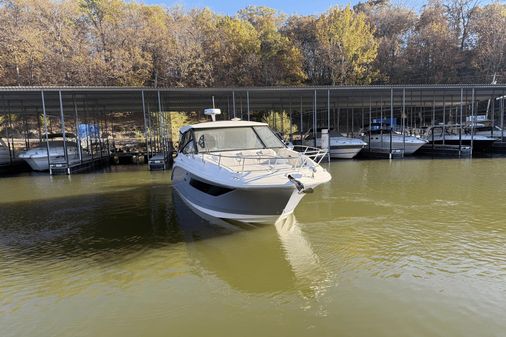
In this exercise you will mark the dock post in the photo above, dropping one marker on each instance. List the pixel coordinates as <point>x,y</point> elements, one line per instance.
<point>45,129</point>
<point>301,121</point>
<point>460,124</point>
<point>315,121</point>
<point>89,140</point>
<point>370,122</point>
<point>391,119</point>
<point>233,100</point>
<point>76,122</point>
<point>7,134</point>
<point>62,121</point>
<point>150,132</point>
<point>145,122</point>
<point>492,118</point>
<point>291,118</point>
<point>403,116</point>
<point>247,104</point>
<point>433,107</point>
<point>501,104</point>
<point>160,138</point>
<point>97,131</point>
<point>381,122</point>
<point>328,122</point>
<point>282,121</point>
<point>444,119</point>
<point>338,119</point>
<point>352,122</point>
<point>472,120</point>
<point>363,117</point>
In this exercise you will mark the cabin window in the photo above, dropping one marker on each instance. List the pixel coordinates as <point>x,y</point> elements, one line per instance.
<point>187,145</point>
<point>268,137</point>
<point>208,188</point>
<point>236,138</point>
<point>226,139</point>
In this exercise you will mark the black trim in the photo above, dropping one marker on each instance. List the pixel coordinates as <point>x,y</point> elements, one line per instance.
<point>208,188</point>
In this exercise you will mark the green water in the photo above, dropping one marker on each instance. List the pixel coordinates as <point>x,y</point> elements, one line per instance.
<point>401,248</point>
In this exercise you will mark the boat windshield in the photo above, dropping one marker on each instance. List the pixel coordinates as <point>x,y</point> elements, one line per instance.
<point>236,138</point>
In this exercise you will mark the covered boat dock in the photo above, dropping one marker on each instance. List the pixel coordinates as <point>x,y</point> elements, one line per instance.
<point>29,114</point>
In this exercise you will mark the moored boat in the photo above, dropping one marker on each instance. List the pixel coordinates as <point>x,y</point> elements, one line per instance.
<point>454,135</point>
<point>240,170</point>
<point>383,138</point>
<point>340,147</point>
<point>37,157</point>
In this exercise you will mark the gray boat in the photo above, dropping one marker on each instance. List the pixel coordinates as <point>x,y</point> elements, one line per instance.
<point>240,170</point>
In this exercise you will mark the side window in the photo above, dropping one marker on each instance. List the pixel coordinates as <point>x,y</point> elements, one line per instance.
<point>183,139</point>
<point>189,145</point>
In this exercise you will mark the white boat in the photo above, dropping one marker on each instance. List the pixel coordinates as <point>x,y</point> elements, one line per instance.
<point>340,147</point>
<point>37,157</point>
<point>451,135</point>
<point>384,139</point>
<point>240,170</point>
<point>5,156</point>
<point>485,129</point>
<point>489,131</point>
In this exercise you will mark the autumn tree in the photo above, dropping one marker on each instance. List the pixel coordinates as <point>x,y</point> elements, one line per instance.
<point>280,58</point>
<point>393,27</point>
<point>348,46</point>
<point>280,121</point>
<point>119,42</point>
<point>460,14</point>
<point>431,51</point>
<point>489,29</point>
<point>238,52</point>
<point>301,30</point>
<point>118,58</point>
<point>22,47</point>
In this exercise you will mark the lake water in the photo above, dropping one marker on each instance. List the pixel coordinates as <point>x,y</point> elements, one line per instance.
<point>399,248</point>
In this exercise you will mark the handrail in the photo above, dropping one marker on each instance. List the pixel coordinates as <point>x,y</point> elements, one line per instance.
<point>314,153</point>
<point>274,162</point>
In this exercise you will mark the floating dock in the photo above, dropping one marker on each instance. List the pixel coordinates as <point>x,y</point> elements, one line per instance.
<point>498,147</point>
<point>367,153</point>
<point>440,150</point>
<point>74,166</point>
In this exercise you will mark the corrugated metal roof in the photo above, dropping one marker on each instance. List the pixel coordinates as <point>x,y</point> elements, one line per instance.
<point>92,100</point>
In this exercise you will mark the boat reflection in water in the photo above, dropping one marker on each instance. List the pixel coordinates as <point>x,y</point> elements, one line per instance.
<point>276,259</point>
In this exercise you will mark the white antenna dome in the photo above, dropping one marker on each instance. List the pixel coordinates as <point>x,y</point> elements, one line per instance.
<point>212,112</point>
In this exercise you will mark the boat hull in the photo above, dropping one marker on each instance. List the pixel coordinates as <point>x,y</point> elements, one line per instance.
<point>341,147</point>
<point>4,157</point>
<point>382,142</point>
<point>409,148</point>
<point>345,151</point>
<point>258,205</point>
<point>38,164</point>
<point>37,156</point>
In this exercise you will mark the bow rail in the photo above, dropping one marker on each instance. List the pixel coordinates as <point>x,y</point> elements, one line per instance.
<point>302,157</point>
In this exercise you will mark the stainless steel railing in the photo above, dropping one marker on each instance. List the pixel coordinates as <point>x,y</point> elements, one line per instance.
<point>305,157</point>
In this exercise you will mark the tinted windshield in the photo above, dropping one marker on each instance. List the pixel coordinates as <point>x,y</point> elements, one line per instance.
<point>237,138</point>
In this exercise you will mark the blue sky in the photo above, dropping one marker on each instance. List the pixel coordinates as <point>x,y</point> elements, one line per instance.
<point>285,6</point>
